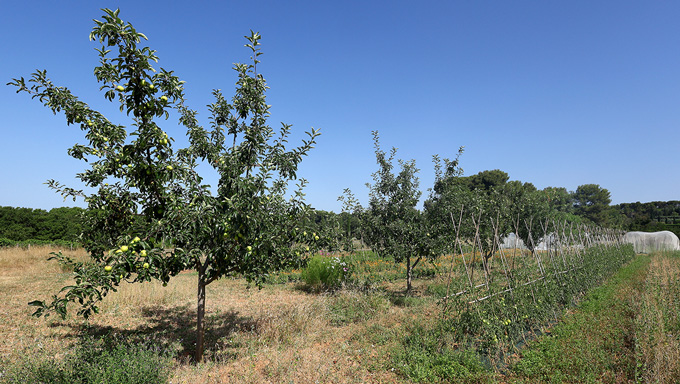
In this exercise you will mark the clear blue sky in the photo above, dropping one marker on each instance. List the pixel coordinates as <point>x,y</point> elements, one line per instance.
<point>554,93</point>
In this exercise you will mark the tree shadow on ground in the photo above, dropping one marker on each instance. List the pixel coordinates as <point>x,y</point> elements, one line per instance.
<point>173,329</point>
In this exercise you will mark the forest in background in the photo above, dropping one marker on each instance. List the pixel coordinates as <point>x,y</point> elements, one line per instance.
<point>38,226</point>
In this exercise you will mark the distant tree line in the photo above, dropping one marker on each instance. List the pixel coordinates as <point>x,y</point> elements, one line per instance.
<point>26,224</point>
<point>492,190</point>
<point>650,217</point>
<point>589,203</point>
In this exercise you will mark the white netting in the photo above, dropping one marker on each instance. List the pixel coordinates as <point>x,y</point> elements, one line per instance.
<point>647,242</point>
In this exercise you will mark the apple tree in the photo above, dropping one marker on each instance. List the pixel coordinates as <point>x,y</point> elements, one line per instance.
<point>149,213</point>
<point>392,225</point>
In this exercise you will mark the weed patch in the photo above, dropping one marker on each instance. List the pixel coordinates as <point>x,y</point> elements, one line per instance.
<point>94,361</point>
<point>352,307</point>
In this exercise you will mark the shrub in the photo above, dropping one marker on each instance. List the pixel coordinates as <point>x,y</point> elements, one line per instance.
<point>325,273</point>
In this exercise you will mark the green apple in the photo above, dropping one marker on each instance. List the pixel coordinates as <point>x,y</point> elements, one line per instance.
<point>164,141</point>
<point>136,239</point>
<point>164,99</point>
<point>89,123</point>
<point>169,167</point>
<point>142,253</point>
<point>146,265</point>
<point>124,248</point>
<point>249,248</point>
<point>108,268</point>
<point>151,86</point>
<point>120,88</point>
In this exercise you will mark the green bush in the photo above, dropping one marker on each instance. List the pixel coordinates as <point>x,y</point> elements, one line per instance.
<point>325,273</point>
<point>95,361</point>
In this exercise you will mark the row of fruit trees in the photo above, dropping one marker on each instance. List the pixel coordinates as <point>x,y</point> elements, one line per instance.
<point>495,305</point>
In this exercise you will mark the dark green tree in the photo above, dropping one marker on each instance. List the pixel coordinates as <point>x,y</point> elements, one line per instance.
<point>592,202</point>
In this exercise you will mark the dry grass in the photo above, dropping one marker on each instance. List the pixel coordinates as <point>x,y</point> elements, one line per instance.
<point>24,275</point>
<point>17,261</point>
<point>657,322</point>
<point>274,335</point>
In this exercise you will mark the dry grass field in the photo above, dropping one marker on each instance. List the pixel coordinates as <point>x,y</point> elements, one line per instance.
<point>286,334</point>
<point>279,334</point>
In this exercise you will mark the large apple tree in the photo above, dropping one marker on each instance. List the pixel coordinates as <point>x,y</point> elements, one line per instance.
<point>149,213</point>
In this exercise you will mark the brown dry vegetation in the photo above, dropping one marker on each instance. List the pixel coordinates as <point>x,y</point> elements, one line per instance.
<point>657,323</point>
<point>282,334</point>
<point>277,334</point>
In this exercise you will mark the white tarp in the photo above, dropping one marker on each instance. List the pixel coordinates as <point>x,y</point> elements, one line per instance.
<point>511,241</point>
<point>648,242</point>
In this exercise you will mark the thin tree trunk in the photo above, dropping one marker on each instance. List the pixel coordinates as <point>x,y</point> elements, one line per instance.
<point>200,314</point>
<point>409,274</point>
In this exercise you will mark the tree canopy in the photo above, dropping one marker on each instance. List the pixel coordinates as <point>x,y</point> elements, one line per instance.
<point>151,216</point>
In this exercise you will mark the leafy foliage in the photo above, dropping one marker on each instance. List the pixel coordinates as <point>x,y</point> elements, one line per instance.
<point>392,225</point>
<point>493,318</point>
<point>151,216</point>
<point>325,273</point>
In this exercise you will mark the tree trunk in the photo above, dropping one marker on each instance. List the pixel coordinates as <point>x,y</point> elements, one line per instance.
<point>200,314</point>
<point>409,274</point>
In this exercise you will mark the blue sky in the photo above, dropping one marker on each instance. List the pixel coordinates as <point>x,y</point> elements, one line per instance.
<point>553,93</point>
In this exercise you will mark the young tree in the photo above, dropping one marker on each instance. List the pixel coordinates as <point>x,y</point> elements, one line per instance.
<point>392,225</point>
<point>150,215</point>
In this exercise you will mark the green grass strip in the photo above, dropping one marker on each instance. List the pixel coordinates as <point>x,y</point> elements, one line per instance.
<point>595,343</point>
